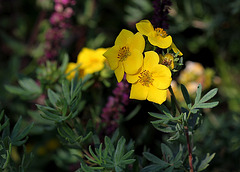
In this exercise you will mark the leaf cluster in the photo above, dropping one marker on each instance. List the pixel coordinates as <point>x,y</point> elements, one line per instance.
<point>114,155</point>
<point>16,137</point>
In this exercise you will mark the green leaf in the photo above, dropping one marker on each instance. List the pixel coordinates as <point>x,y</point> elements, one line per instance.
<point>64,63</point>
<point>186,96</point>
<point>169,169</point>
<point>119,150</point>
<point>209,95</point>
<point>155,159</point>
<point>159,116</point>
<point>205,163</point>
<point>127,161</point>
<point>17,135</point>
<point>199,92</point>
<point>165,128</point>
<point>152,168</point>
<point>164,109</point>
<point>167,152</point>
<point>53,97</point>
<point>66,91</point>
<point>133,113</point>
<point>207,105</point>
<point>109,145</point>
<point>127,155</point>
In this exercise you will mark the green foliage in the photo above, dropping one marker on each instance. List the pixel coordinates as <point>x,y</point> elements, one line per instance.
<point>50,73</point>
<point>114,156</point>
<point>28,89</point>
<point>64,105</point>
<point>16,137</point>
<point>169,162</point>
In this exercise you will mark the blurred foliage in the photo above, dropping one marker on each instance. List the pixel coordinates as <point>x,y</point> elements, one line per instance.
<point>205,31</point>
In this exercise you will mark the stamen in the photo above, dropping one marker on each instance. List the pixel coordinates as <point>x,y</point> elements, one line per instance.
<point>161,32</point>
<point>123,53</point>
<point>146,78</point>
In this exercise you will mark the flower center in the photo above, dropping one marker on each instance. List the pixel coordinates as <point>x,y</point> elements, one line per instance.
<point>161,32</point>
<point>123,53</point>
<point>145,78</point>
<point>167,60</point>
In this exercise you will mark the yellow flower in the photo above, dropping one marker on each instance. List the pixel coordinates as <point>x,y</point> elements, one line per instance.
<point>152,81</point>
<point>90,60</point>
<point>167,60</point>
<point>157,37</point>
<point>126,54</point>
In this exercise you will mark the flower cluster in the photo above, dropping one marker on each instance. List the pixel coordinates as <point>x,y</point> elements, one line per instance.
<point>88,61</point>
<point>115,107</point>
<point>60,21</point>
<point>148,72</point>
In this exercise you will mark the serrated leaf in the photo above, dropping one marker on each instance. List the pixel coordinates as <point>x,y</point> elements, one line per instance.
<point>155,159</point>
<point>207,105</point>
<point>209,95</point>
<point>186,96</point>
<point>204,163</point>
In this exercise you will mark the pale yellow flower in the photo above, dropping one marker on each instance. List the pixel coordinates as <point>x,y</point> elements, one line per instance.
<point>126,54</point>
<point>152,81</point>
<point>91,60</point>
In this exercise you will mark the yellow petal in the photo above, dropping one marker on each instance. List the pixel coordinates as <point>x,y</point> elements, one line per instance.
<point>136,42</point>
<point>162,77</point>
<point>133,78</point>
<point>111,54</point>
<point>151,59</point>
<point>176,50</point>
<point>133,62</point>
<point>145,27</point>
<point>119,72</point>
<point>160,41</point>
<point>156,95</point>
<point>138,91</point>
<point>123,36</point>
